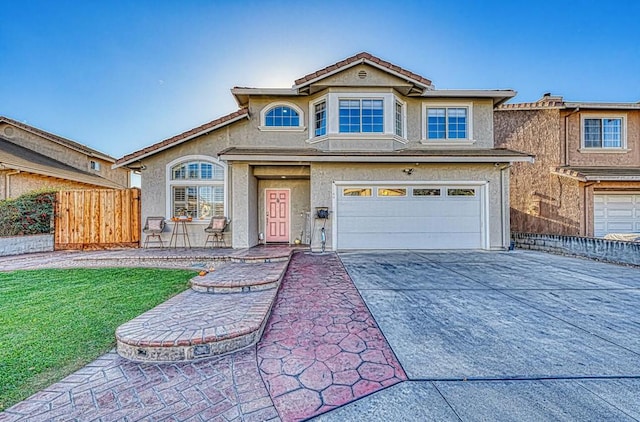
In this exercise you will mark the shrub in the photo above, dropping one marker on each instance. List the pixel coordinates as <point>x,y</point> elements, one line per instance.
<point>31,213</point>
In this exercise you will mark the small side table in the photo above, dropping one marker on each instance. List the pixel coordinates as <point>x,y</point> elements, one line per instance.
<point>180,231</point>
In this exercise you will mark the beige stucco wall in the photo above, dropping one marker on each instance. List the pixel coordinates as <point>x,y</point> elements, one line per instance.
<point>323,176</point>
<point>66,155</point>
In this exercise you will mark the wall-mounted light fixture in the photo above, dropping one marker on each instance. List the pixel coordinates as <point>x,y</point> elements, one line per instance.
<point>408,171</point>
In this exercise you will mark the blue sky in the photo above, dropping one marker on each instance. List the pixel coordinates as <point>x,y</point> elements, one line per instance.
<point>121,75</point>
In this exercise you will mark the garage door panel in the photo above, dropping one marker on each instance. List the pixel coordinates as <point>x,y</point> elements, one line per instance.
<point>417,225</point>
<point>616,213</point>
<point>410,241</point>
<point>409,222</point>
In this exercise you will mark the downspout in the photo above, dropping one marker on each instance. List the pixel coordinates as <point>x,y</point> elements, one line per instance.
<point>7,184</point>
<point>566,136</point>
<point>506,234</point>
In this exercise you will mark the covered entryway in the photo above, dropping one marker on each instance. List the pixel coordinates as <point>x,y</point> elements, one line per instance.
<point>616,213</point>
<point>428,215</point>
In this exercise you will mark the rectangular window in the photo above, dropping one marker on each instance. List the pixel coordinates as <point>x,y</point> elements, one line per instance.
<point>392,192</point>
<point>447,123</point>
<point>361,116</point>
<point>426,192</point>
<point>399,119</point>
<point>320,126</point>
<point>356,192</point>
<point>94,165</point>
<point>198,201</point>
<point>603,133</point>
<point>461,192</point>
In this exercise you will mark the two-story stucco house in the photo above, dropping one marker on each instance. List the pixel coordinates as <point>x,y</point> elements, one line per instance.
<point>31,158</point>
<point>586,178</point>
<point>396,163</point>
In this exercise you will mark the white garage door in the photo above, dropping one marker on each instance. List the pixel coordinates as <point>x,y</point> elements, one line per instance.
<point>616,213</point>
<point>409,217</point>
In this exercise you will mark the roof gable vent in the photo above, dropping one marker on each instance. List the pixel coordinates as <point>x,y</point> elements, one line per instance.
<point>362,74</point>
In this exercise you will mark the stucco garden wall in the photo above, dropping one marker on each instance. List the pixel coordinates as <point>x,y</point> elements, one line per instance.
<point>18,245</point>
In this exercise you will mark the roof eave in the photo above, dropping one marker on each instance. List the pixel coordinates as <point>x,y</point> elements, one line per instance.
<point>57,175</point>
<point>375,159</point>
<point>180,141</point>
<point>242,95</point>
<point>499,96</point>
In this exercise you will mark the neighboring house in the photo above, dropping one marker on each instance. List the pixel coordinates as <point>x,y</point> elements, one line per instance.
<point>31,159</point>
<point>397,163</point>
<point>586,178</point>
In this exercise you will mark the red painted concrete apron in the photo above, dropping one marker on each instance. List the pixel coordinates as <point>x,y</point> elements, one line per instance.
<point>321,347</point>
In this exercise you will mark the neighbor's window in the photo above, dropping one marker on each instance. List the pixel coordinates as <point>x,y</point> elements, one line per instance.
<point>392,192</point>
<point>447,123</point>
<point>282,116</point>
<point>94,165</point>
<point>197,189</point>
<point>603,133</point>
<point>361,116</point>
<point>356,192</point>
<point>320,118</point>
<point>426,192</point>
<point>461,192</point>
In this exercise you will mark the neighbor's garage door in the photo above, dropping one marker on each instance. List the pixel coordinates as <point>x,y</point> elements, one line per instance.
<point>616,213</point>
<point>409,217</point>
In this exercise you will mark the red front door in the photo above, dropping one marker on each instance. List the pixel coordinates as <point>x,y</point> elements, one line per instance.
<point>277,215</point>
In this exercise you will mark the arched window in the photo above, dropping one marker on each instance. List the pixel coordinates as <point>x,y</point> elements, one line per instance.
<point>282,116</point>
<point>197,189</point>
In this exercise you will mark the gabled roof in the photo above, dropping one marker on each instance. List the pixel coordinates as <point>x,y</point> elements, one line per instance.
<point>359,58</point>
<point>16,157</point>
<point>58,139</point>
<point>183,137</point>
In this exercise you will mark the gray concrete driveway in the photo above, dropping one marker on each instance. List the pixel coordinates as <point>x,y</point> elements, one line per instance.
<point>502,336</point>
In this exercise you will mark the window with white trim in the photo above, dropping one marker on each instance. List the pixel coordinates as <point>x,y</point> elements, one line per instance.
<point>197,189</point>
<point>361,115</point>
<point>281,116</point>
<point>399,119</point>
<point>447,123</point>
<point>603,132</point>
<point>94,165</point>
<point>320,118</point>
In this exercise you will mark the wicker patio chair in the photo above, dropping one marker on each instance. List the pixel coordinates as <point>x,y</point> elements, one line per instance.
<point>153,227</point>
<point>215,232</point>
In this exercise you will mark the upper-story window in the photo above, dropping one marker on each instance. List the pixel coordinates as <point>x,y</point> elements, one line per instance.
<point>605,132</point>
<point>399,119</point>
<point>447,122</point>
<point>94,165</point>
<point>281,116</point>
<point>361,115</point>
<point>320,118</point>
<point>196,189</point>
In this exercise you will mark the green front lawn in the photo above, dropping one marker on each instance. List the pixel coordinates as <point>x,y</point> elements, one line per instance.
<point>53,322</point>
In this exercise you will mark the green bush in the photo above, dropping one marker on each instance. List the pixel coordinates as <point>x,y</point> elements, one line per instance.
<point>31,213</point>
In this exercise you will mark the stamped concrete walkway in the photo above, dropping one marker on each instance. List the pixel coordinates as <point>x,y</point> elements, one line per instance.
<point>321,349</point>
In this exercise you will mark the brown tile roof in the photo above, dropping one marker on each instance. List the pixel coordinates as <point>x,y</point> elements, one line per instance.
<point>16,157</point>
<point>545,102</point>
<point>359,58</point>
<point>183,136</point>
<point>66,142</point>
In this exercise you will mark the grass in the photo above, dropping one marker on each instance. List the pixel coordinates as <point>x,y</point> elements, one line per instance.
<point>53,322</point>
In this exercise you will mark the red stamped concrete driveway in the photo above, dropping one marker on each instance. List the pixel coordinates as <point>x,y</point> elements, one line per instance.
<point>321,347</point>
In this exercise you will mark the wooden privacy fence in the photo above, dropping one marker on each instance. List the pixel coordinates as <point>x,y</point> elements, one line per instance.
<point>97,219</point>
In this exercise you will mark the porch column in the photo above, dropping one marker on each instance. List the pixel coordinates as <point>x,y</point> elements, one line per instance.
<point>244,197</point>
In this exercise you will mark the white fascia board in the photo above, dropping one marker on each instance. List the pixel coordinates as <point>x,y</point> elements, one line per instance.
<point>499,96</point>
<point>265,91</point>
<point>195,135</point>
<point>375,159</point>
